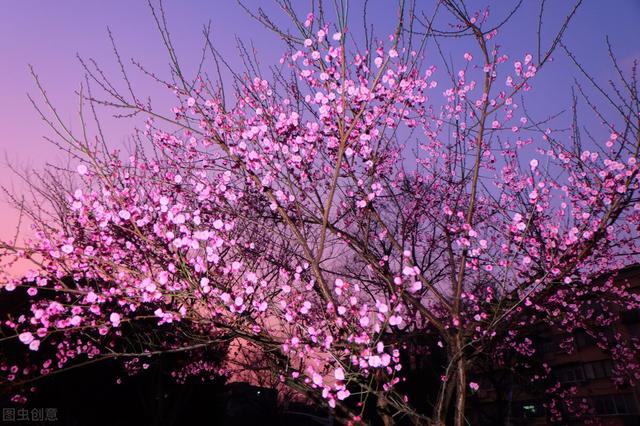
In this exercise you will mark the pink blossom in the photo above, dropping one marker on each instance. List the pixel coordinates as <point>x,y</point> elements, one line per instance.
<point>374,361</point>
<point>395,320</point>
<point>343,394</point>
<point>317,379</point>
<point>26,337</point>
<point>115,319</point>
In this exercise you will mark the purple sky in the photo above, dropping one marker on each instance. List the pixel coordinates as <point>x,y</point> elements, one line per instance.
<point>49,34</point>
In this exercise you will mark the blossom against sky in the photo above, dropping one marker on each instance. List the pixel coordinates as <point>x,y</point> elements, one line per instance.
<point>48,35</point>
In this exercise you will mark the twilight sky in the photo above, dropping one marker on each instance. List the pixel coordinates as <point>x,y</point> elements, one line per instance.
<point>49,34</point>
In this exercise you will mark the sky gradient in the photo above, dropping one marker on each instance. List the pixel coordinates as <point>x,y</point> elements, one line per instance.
<point>48,35</point>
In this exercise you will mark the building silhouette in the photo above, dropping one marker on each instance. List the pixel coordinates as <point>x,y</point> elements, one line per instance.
<point>508,398</point>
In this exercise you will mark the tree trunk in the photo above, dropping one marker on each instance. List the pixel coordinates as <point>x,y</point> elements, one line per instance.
<point>441,407</point>
<point>383,412</point>
<point>461,385</point>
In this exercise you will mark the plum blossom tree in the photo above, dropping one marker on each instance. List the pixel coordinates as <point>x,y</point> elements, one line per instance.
<point>307,229</point>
